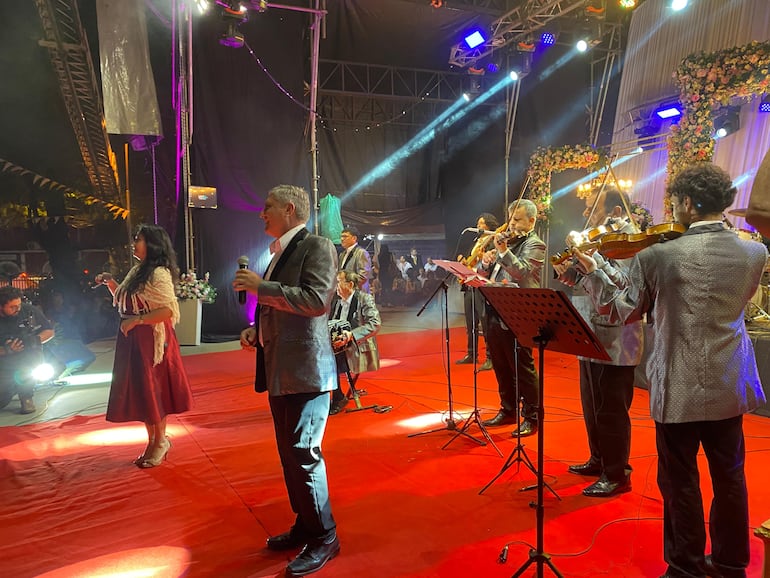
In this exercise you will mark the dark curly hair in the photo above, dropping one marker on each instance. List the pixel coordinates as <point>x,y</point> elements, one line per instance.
<point>160,253</point>
<point>709,187</point>
<point>490,220</point>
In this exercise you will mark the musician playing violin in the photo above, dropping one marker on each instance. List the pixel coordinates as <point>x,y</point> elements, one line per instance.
<point>702,369</point>
<point>606,387</point>
<point>517,259</point>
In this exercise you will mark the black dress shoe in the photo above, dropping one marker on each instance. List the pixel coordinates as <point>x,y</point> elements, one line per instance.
<point>526,428</point>
<point>590,468</point>
<point>337,406</point>
<point>27,405</point>
<point>313,557</point>
<point>604,488</point>
<point>501,418</point>
<point>286,541</point>
<point>465,360</point>
<point>486,366</point>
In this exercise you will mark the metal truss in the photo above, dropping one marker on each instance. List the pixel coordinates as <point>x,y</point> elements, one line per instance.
<point>67,46</point>
<point>529,16</point>
<point>369,94</point>
<point>492,7</point>
<point>603,68</point>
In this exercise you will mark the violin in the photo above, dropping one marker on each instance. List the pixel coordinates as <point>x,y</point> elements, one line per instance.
<point>585,239</point>
<point>482,245</point>
<point>626,245</point>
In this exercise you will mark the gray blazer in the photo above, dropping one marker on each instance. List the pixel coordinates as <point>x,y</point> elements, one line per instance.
<point>362,355</point>
<point>359,262</point>
<point>292,312</point>
<point>695,289</point>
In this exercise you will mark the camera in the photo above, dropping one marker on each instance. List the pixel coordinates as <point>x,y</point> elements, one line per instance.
<point>337,328</point>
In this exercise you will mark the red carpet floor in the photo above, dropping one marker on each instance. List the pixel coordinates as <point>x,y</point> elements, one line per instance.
<point>74,505</point>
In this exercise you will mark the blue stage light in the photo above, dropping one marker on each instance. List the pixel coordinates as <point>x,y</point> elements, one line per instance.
<point>764,105</point>
<point>668,111</point>
<point>547,39</point>
<point>474,39</point>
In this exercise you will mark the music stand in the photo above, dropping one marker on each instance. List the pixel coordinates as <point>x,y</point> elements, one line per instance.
<point>464,274</point>
<point>451,424</point>
<point>545,319</point>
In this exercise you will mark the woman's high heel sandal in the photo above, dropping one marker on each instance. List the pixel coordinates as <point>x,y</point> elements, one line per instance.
<point>157,456</point>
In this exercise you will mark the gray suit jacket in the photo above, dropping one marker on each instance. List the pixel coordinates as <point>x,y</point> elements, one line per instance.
<point>362,355</point>
<point>359,262</point>
<point>695,289</point>
<point>292,312</point>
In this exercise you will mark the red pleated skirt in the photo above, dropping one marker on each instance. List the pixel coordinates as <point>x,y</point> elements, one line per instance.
<point>143,392</point>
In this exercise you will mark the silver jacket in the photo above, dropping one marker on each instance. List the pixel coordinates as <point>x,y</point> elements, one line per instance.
<point>694,290</point>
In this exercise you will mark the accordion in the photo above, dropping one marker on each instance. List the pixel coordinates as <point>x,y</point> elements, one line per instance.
<point>337,328</point>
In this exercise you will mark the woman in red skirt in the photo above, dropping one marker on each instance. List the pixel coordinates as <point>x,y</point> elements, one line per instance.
<point>148,378</point>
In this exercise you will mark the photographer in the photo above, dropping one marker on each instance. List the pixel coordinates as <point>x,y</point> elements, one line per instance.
<point>23,330</point>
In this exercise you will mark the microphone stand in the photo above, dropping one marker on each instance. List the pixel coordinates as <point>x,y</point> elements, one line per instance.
<point>451,424</point>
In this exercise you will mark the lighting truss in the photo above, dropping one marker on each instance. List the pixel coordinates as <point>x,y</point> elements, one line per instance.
<point>513,26</point>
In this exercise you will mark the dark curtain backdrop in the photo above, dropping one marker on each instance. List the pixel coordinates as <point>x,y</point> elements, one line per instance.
<point>248,137</point>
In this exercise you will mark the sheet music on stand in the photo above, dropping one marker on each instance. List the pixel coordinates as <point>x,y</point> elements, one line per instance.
<point>460,271</point>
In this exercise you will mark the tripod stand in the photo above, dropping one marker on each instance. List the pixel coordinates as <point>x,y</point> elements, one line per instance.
<point>519,455</point>
<point>475,416</point>
<point>544,318</point>
<point>451,424</point>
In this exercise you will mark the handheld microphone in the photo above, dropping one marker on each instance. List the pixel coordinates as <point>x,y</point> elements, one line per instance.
<point>243,263</point>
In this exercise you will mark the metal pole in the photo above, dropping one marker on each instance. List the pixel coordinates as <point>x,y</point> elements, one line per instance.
<point>314,55</point>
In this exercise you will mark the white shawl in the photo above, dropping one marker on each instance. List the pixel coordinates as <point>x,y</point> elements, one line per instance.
<point>157,292</point>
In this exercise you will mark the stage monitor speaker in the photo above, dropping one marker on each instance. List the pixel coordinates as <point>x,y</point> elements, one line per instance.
<point>202,197</point>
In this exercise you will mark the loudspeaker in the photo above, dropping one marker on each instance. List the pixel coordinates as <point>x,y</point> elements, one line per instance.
<point>202,197</point>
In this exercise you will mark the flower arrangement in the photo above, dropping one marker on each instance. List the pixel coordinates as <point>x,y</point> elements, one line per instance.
<point>707,81</point>
<point>547,160</point>
<point>641,215</point>
<point>190,287</point>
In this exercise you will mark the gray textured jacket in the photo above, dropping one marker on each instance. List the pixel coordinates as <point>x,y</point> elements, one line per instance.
<point>694,289</point>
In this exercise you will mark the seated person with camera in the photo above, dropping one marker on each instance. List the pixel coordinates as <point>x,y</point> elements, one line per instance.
<point>23,330</point>
<point>355,348</point>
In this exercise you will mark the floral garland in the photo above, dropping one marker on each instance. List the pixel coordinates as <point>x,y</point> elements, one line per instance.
<point>641,215</point>
<point>707,81</point>
<point>547,160</point>
<point>190,287</point>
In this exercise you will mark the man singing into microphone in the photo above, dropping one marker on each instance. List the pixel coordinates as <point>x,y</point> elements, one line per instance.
<point>296,366</point>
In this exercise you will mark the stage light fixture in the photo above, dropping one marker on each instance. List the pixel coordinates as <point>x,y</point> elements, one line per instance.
<point>202,5</point>
<point>646,134</point>
<point>677,5</point>
<point>727,121</point>
<point>627,4</point>
<point>474,39</point>
<point>548,38</point>
<point>513,75</point>
<point>581,45</point>
<point>764,105</point>
<point>234,15</point>
<point>669,110</point>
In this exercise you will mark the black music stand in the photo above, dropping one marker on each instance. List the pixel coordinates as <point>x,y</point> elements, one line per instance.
<point>465,274</point>
<point>451,424</point>
<point>545,319</point>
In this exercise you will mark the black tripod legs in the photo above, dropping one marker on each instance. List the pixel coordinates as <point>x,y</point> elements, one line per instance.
<point>539,558</point>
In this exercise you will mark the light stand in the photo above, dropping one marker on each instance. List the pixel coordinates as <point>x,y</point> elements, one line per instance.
<point>451,425</point>
<point>543,318</point>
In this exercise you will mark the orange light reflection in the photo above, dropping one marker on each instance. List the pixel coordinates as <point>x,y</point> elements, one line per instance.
<point>157,562</point>
<point>63,445</point>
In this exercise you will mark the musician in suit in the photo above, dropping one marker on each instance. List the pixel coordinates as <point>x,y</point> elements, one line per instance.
<point>702,369</point>
<point>518,260</point>
<point>295,365</point>
<point>606,387</point>
<point>354,257</point>
<point>356,350</point>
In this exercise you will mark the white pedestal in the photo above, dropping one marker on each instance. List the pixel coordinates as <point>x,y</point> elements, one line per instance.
<point>188,330</point>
